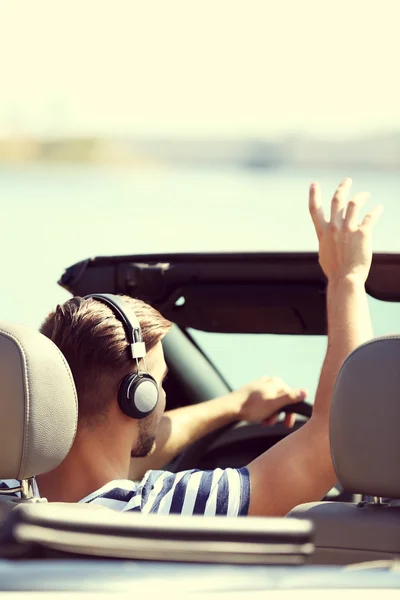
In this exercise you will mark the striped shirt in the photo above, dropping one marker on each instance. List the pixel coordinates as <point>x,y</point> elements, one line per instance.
<point>219,492</point>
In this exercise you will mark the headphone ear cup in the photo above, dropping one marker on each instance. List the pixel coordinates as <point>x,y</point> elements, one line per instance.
<point>138,395</point>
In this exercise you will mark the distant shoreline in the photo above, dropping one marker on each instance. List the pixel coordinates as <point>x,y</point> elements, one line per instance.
<point>378,152</point>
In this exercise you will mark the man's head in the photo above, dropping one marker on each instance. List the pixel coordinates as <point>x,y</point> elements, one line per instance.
<point>94,342</point>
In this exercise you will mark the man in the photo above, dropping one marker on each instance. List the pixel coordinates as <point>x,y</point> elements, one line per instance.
<point>298,469</point>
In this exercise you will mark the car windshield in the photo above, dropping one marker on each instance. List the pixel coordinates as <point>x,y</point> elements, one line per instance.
<point>295,359</point>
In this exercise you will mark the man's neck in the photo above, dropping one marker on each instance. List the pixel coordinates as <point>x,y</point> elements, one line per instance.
<point>91,463</point>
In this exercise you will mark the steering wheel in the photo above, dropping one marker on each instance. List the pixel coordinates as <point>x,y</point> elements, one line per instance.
<point>192,455</point>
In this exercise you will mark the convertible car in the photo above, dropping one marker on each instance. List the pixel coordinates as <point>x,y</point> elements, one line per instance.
<point>236,316</point>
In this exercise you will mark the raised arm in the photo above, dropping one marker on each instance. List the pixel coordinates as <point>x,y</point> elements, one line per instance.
<point>299,469</point>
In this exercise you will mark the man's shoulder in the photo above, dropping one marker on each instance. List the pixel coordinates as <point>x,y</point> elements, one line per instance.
<point>193,492</point>
<point>215,492</point>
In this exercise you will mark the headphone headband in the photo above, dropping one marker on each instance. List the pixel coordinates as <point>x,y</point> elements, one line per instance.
<point>131,324</point>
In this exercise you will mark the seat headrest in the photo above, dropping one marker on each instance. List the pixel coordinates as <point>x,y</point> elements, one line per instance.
<point>365,419</point>
<point>38,403</point>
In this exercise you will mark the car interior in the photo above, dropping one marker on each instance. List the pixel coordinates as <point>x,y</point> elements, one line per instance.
<point>358,521</point>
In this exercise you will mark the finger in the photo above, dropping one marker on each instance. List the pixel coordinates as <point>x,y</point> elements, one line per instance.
<point>271,420</point>
<point>316,210</point>
<point>338,201</point>
<point>353,210</point>
<point>292,397</point>
<point>371,218</point>
<point>290,420</point>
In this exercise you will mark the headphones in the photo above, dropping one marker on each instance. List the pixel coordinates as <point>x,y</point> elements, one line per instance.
<point>138,392</point>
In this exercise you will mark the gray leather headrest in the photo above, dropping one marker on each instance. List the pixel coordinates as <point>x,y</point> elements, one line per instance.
<point>365,419</point>
<point>38,403</point>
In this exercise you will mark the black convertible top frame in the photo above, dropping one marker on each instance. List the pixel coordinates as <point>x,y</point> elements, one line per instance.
<point>269,292</point>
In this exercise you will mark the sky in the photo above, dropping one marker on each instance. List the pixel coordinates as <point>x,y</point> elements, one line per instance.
<point>206,67</point>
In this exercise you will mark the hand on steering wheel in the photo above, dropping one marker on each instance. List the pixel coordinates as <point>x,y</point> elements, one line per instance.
<point>262,400</point>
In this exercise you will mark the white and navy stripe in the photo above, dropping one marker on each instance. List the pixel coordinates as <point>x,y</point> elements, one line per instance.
<point>219,492</point>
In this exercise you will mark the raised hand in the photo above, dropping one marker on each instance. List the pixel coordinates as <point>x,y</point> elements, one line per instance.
<point>345,249</point>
